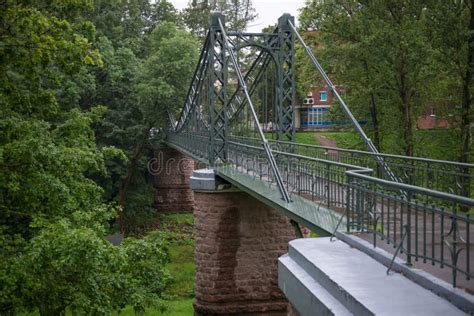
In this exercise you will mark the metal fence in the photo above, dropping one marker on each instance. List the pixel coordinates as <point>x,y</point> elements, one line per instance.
<point>440,175</point>
<point>423,224</point>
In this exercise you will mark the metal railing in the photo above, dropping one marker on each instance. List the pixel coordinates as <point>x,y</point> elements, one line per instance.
<point>440,175</point>
<point>428,226</point>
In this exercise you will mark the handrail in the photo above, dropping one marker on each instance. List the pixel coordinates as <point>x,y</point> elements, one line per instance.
<point>449,162</point>
<point>415,189</point>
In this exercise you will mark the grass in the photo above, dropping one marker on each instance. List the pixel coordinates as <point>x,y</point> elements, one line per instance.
<point>181,265</point>
<point>347,140</point>
<point>182,269</point>
<point>306,138</point>
<point>435,144</point>
<point>178,307</point>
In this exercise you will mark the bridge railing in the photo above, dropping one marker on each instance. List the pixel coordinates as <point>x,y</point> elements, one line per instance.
<point>440,175</point>
<point>196,145</point>
<point>318,180</point>
<point>427,226</point>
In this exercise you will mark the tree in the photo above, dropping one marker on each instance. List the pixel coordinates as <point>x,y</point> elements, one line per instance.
<point>451,30</point>
<point>159,85</point>
<point>53,217</point>
<point>382,46</point>
<point>238,13</point>
<point>91,275</point>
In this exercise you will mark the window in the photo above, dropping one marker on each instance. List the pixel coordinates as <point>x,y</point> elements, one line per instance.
<point>323,96</point>
<point>315,117</point>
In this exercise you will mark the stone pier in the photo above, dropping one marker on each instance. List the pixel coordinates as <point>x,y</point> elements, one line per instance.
<point>172,170</point>
<point>238,242</point>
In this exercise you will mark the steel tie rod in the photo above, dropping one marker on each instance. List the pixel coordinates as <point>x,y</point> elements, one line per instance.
<point>346,109</point>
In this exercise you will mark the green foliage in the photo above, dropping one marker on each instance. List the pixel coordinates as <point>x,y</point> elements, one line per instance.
<point>90,274</point>
<point>238,13</point>
<point>70,120</point>
<point>164,74</point>
<point>69,253</point>
<point>394,59</point>
<point>38,48</point>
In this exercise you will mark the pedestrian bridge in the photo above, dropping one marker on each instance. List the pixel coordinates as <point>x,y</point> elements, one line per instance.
<point>379,212</point>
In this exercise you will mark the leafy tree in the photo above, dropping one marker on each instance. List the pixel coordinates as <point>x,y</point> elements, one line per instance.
<point>53,218</point>
<point>238,14</point>
<point>380,51</point>
<point>91,276</point>
<point>451,32</point>
<point>159,89</point>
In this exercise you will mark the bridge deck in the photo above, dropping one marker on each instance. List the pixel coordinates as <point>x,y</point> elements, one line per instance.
<point>314,216</point>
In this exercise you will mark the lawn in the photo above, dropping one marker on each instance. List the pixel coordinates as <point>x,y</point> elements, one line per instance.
<point>306,138</point>
<point>435,144</point>
<point>181,266</point>
<point>349,140</point>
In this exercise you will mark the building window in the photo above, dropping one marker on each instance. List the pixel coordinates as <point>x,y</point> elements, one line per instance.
<point>323,96</point>
<point>315,117</point>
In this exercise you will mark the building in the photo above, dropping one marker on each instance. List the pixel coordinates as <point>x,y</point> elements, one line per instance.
<point>313,113</point>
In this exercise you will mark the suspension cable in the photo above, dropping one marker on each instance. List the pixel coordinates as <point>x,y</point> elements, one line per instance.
<point>346,109</point>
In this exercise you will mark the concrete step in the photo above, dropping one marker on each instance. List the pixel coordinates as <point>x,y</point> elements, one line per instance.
<point>353,279</point>
<point>303,291</point>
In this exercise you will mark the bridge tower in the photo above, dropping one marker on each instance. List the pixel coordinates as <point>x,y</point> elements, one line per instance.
<point>222,105</point>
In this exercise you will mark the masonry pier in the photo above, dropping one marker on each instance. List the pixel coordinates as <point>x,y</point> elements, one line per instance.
<point>172,170</point>
<point>238,241</point>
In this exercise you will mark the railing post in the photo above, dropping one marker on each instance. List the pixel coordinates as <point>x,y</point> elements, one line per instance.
<point>349,201</point>
<point>328,190</point>
<point>408,228</point>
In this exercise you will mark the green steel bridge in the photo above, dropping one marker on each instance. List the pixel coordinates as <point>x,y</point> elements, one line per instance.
<point>238,120</point>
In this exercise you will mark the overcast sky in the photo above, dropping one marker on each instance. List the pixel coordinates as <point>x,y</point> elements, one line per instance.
<point>268,11</point>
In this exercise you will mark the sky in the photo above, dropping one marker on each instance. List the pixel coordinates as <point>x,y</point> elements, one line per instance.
<point>268,11</point>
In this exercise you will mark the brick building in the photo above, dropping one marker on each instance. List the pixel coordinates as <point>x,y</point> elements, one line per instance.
<point>314,110</point>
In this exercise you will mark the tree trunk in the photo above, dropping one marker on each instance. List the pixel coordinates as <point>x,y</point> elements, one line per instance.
<point>132,168</point>
<point>375,121</point>
<point>373,111</point>
<point>465,144</point>
<point>406,109</point>
<point>408,128</point>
